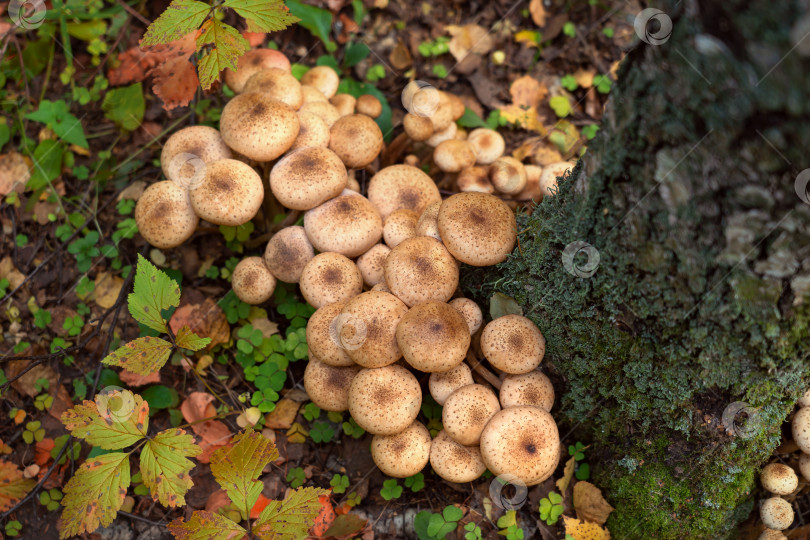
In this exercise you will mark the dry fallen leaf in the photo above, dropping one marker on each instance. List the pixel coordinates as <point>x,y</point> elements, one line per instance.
<point>283,416</point>
<point>297,434</point>
<point>205,319</point>
<point>132,191</point>
<point>14,173</point>
<point>527,94</point>
<point>582,530</point>
<point>400,56</point>
<point>568,474</point>
<point>469,39</point>
<point>538,12</point>
<point>590,504</point>
<point>133,379</point>
<point>107,290</point>
<point>9,272</point>
<point>175,82</point>
<point>584,77</point>
<point>213,433</point>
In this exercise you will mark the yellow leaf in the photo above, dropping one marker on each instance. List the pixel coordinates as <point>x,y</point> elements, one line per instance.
<point>297,434</point>
<point>143,355</point>
<point>530,37</point>
<point>107,289</point>
<point>589,503</point>
<point>165,468</point>
<point>283,416</point>
<point>582,530</point>
<point>204,524</point>
<point>527,92</point>
<point>584,77</point>
<point>113,421</point>
<point>525,118</point>
<point>468,39</point>
<point>568,473</point>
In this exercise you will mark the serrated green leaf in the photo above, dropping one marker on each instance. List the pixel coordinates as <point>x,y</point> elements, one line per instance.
<point>263,15</point>
<point>187,339</point>
<point>204,525</point>
<point>143,356</point>
<point>154,291</point>
<point>95,494</point>
<point>227,46</point>
<point>165,468</point>
<point>113,421</point>
<point>291,518</point>
<point>236,469</point>
<point>180,18</point>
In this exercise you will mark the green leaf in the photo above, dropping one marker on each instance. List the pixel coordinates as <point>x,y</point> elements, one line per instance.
<point>227,46</point>
<point>95,494</point>
<point>452,513</point>
<point>263,15</point>
<point>57,116</point>
<point>236,469</point>
<point>180,18</point>
<point>125,106</point>
<point>555,497</point>
<point>154,291</point>
<point>187,339</point>
<point>471,120</point>
<point>113,421</point>
<point>291,518</point>
<point>316,20</point>
<point>47,163</point>
<point>143,356</point>
<point>355,53</point>
<point>560,105</point>
<point>204,525</point>
<point>5,134</point>
<point>165,468</point>
<point>160,397</point>
<point>500,305</point>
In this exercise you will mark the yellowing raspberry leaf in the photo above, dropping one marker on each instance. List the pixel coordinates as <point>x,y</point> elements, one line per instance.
<point>584,530</point>
<point>165,468</point>
<point>291,518</point>
<point>154,291</point>
<point>204,525</point>
<point>143,356</point>
<point>227,45</point>
<point>113,421</point>
<point>263,15</point>
<point>236,469</point>
<point>13,486</point>
<point>180,18</point>
<point>187,339</point>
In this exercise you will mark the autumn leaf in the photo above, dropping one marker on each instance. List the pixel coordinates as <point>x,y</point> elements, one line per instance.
<point>175,82</point>
<point>263,15</point>
<point>203,525</point>
<point>291,518</point>
<point>590,504</point>
<point>13,486</point>
<point>205,319</point>
<point>165,468</point>
<point>142,356</point>
<point>113,421</point>
<point>568,473</point>
<point>180,18</point>
<point>227,46</point>
<point>153,292</point>
<point>187,339</point>
<point>582,530</point>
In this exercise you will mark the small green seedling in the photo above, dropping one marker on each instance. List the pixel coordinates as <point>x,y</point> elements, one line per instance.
<point>13,528</point>
<point>430,526</point>
<point>391,490</point>
<point>415,482</point>
<point>473,531</point>
<point>33,432</point>
<point>509,527</point>
<point>50,499</point>
<point>551,508</point>
<point>296,477</point>
<point>339,483</point>
<point>321,432</point>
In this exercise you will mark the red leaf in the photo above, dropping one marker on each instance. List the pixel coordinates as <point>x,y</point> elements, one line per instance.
<point>261,502</point>
<point>325,517</point>
<point>136,64</point>
<point>175,82</point>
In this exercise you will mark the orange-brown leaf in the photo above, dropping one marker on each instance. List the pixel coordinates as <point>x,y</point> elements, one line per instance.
<point>13,486</point>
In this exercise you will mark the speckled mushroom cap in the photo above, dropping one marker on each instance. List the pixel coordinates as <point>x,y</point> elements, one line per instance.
<point>177,157</point>
<point>366,328</point>
<point>369,105</point>
<point>328,386</point>
<point>513,344</point>
<point>455,462</point>
<point>776,513</point>
<point>508,175</point>
<point>307,177</point>
<point>467,410</point>
<point>804,466</point>
<point>252,62</point>
<point>382,287</point>
<point>398,226</point>
<point>357,139</point>
<point>444,383</point>
<point>433,337</point>
<point>474,179</point>
<point>470,311</point>
<point>344,103</point>
<point>532,388</point>
<point>770,534</point>
<point>488,145</point>
<point>230,193</point>
<point>323,109</point>
<point>323,78</point>
<point>418,128</point>
<point>804,401</point>
<point>454,155</point>
<point>385,400</point>
<point>287,253</point>
<point>532,191</point>
<point>403,454</point>
<point>421,269</point>
<point>447,134</point>
<point>258,126</point>
<point>443,115</point>
<point>477,228</point>
<point>548,178</point>
<point>312,94</point>
<point>322,336</point>
<point>779,479</point>
<point>164,215</point>
<point>312,131</point>
<point>801,429</point>
<point>252,282</point>
<point>348,224</point>
<point>329,278</point>
<point>400,187</point>
<point>428,224</point>
<point>278,84</point>
<point>523,442</point>
<point>372,264</point>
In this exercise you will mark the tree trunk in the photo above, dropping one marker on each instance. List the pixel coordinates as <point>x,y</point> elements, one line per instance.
<point>700,299</point>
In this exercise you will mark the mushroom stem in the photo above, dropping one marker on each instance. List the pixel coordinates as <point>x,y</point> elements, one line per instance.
<point>479,368</point>
<point>270,204</point>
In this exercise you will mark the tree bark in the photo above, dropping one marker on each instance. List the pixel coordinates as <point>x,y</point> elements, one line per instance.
<point>700,299</point>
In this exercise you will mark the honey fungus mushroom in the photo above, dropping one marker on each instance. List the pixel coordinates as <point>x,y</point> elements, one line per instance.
<point>367,327</point>
<point>344,103</point>
<point>477,228</point>
<point>348,224</point>
<point>328,386</point>
<point>455,462</point>
<point>508,175</point>
<point>428,224</point>
<point>470,311</point>
<point>779,479</point>
<point>402,454</point>
<point>467,410</point>
<point>433,337</point>
<point>442,384</point>
<point>312,131</point>
<point>384,400</point>
<point>328,278</point>
<point>322,336</point>
<point>307,177</point>
<point>252,62</point>
<point>532,388</point>
<point>776,513</point>
<point>357,139</point>
<point>187,152</point>
<point>369,105</point>
<point>801,429</point>
<point>324,78</point>
<point>513,344</point>
<point>287,253</point>
<point>421,269</point>
<point>487,143</point>
<point>277,83</point>
<point>230,193</point>
<point>164,215</point>
<point>453,155</point>
<point>400,187</point>
<point>252,281</point>
<point>372,264</point>
<point>418,128</point>
<point>258,126</point>
<point>399,226</point>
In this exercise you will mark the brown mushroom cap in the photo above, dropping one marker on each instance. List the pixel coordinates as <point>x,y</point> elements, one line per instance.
<point>329,278</point>
<point>433,337</point>
<point>328,386</point>
<point>400,187</point>
<point>258,126</point>
<point>403,454</point>
<point>307,177</point>
<point>322,109</point>
<point>398,226</point>
<point>385,400</point>
<point>470,311</point>
<point>454,155</point>
<point>312,94</point>
<point>488,145</point>
<point>372,264</point>
<point>779,479</point>
<point>455,462</point>
<point>252,282</point>
<point>474,179</point>
<point>287,253</point>
<point>344,103</point>
<point>369,105</point>
<point>348,224</point>
<point>312,131</point>
<point>421,269</point>
<point>177,159</point>
<point>467,410</point>
<point>164,215</point>
<point>252,62</point>
<point>428,224</point>
<point>548,179</point>
<point>352,184</point>
<point>367,326</point>
<point>357,139</point>
<point>513,344</point>
<point>477,228</point>
<point>447,134</point>
<point>545,154</point>
<point>776,513</point>
<point>532,388</point>
<point>322,336</point>
<point>522,442</point>
<point>508,175</point>
<point>323,78</point>
<point>278,84</point>
<point>421,99</point>
<point>230,193</point>
<point>532,191</point>
<point>418,128</point>
<point>444,383</point>
<point>443,116</point>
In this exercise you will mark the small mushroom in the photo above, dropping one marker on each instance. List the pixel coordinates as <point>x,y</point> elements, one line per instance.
<point>287,253</point>
<point>532,388</point>
<point>548,179</point>
<point>474,179</point>
<point>252,282</point>
<point>258,126</point>
<point>357,139</point>
<point>164,215</point>
<point>329,278</point>
<point>418,128</point>
<point>801,429</point>
<point>230,193</point>
<point>467,410</point>
<point>369,105</point>
<point>323,109</point>
<point>384,400</point>
<point>188,151</point>
<point>348,224</point>
<point>400,187</point>
<point>533,191</point>
<point>421,269</point>
<point>372,264</point>
<point>344,103</point>
<point>454,155</point>
<point>277,83</point>
<point>470,311</point>
<point>328,386</point>
<point>508,175</point>
<point>428,224</point>
<point>455,462</point>
<point>433,337</point>
<point>770,534</point>
<point>307,177</point>
<point>367,326</point>
<point>804,401</point>
<point>252,62</point>
<point>323,78</point>
<point>312,94</point>
<point>804,466</point>
<point>322,336</point>
<point>513,344</point>
<point>402,454</point>
<point>776,513</point>
<point>312,131</point>
<point>399,226</point>
<point>488,145</point>
<point>444,383</point>
<point>447,134</point>
<point>779,479</point>
<point>477,228</point>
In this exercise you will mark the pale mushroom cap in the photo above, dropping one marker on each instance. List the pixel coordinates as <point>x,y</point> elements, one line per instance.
<point>352,183</point>
<point>344,103</point>
<point>421,269</point>
<point>258,126</point>
<point>779,479</point>
<point>357,139</point>
<point>307,177</point>
<point>399,226</point>
<point>804,401</point>
<point>801,429</point>
<point>322,109</point>
<point>474,179</point>
<point>348,224</point>
<point>532,191</point>
<point>433,337</point>
<point>513,344</point>
<point>328,386</point>
<point>522,442</point>
<point>252,62</point>
<point>230,193</point>
<point>252,282</point>
<point>467,410</point>
<point>322,336</point>
<point>329,278</point>
<point>456,105</point>
<point>470,311</point>
<point>770,534</point>
<point>443,384</point>
<point>400,187</point>
<point>532,388</point>
<point>312,131</point>
<point>508,175</point>
<point>804,466</point>
<point>418,128</point>
<point>776,513</point>
<point>177,159</point>
<point>443,116</point>
<point>164,215</point>
<point>369,105</point>
<point>477,228</point>
<point>287,253</point>
<point>548,179</point>
<point>366,328</point>
<point>488,145</point>
<point>323,78</point>
<point>428,224</point>
<point>455,462</point>
<point>447,134</point>
<point>278,84</point>
<point>372,264</point>
<point>403,454</point>
<point>312,94</point>
<point>385,400</point>
<point>454,155</point>
<point>381,287</point>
